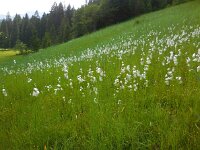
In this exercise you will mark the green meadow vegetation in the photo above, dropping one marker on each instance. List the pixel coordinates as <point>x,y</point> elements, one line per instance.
<point>4,54</point>
<point>134,85</point>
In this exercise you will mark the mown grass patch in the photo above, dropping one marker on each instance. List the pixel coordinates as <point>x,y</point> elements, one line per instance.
<point>7,53</point>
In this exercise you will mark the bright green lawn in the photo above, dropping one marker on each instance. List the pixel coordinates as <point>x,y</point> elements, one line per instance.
<point>6,54</point>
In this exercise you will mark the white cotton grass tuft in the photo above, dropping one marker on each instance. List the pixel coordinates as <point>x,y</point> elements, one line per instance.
<point>4,92</point>
<point>64,99</point>
<point>29,80</point>
<point>179,79</point>
<point>36,92</point>
<point>80,79</point>
<point>198,69</point>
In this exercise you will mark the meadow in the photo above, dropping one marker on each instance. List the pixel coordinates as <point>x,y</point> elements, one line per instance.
<point>134,85</point>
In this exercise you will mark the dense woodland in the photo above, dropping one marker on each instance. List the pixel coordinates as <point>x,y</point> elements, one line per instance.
<point>62,23</point>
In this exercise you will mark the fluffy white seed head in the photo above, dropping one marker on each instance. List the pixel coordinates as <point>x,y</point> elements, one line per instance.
<point>4,92</point>
<point>36,92</point>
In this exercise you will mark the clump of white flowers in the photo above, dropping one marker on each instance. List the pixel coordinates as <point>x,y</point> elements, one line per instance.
<point>48,87</point>
<point>169,76</point>
<point>36,92</point>
<point>129,77</point>
<point>179,79</point>
<point>101,73</point>
<point>196,57</point>
<point>80,79</point>
<point>58,88</point>
<point>65,70</point>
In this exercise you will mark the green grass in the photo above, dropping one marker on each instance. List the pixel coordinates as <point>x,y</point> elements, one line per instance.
<point>123,102</point>
<point>5,54</point>
<point>158,20</point>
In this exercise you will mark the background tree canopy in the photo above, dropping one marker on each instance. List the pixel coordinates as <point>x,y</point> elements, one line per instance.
<point>62,23</point>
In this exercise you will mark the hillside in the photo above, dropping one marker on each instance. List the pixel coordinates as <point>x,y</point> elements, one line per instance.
<point>134,85</point>
<point>64,23</point>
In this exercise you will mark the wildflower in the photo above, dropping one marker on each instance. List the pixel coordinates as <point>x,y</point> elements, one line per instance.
<point>171,55</point>
<point>128,77</point>
<point>80,79</point>
<point>81,71</point>
<point>70,83</point>
<point>130,87</point>
<point>100,78</point>
<point>70,101</point>
<point>168,77</point>
<point>81,88</point>
<point>98,70</point>
<point>175,60</point>
<point>65,69</point>
<point>163,63</point>
<point>119,102</point>
<point>167,82</point>
<point>122,87</point>
<point>95,90</point>
<point>146,68</point>
<point>198,69</point>
<point>146,83</point>
<point>29,80</point>
<point>142,61</point>
<point>35,92</point>
<point>66,76</point>
<point>93,79</point>
<point>148,61</point>
<point>59,79</point>
<point>55,91</point>
<point>128,68</point>
<point>179,52</point>
<point>64,98</point>
<point>135,87</point>
<point>116,82</point>
<point>4,92</point>
<point>48,87</point>
<point>179,79</point>
<point>122,70</point>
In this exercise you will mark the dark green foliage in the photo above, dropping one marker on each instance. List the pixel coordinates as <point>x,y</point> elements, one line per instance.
<point>21,47</point>
<point>65,23</point>
<point>3,40</point>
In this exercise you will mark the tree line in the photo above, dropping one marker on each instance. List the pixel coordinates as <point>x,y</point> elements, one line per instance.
<point>62,23</point>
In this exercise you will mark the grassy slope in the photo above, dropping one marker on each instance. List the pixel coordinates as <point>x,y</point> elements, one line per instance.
<point>158,117</point>
<point>160,19</point>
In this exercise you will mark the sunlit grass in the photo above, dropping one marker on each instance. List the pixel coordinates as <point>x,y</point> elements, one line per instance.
<point>8,53</point>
